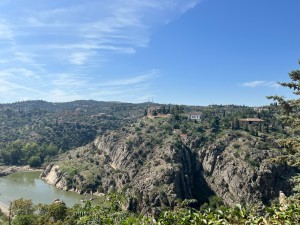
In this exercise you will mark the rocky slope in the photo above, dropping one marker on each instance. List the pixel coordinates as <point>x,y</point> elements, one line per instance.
<point>240,173</point>
<point>155,167</point>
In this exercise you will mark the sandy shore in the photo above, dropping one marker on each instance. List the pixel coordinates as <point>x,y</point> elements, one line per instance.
<point>4,208</point>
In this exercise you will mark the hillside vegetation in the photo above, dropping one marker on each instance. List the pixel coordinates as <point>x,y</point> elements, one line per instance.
<point>159,166</point>
<point>156,161</point>
<point>47,129</point>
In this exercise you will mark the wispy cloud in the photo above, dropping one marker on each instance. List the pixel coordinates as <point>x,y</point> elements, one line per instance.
<point>127,89</point>
<point>61,95</point>
<point>260,83</point>
<point>6,30</point>
<point>132,80</point>
<point>68,81</point>
<point>18,73</point>
<point>113,26</point>
<point>79,58</point>
<point>122,93</point>
<point>23,57</point>
<point>14,86</point>
<point>70,49</point>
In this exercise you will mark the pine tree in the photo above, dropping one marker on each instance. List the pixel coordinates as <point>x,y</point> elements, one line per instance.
<point>290,112</point>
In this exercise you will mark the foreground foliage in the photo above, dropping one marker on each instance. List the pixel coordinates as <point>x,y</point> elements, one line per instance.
<point>110,212</point>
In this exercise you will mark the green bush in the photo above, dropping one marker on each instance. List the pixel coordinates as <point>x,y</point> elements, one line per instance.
<point>34,161</point>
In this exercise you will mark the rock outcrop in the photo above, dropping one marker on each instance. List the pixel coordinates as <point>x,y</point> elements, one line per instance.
<point>53,176</point>
<point>7,170</point>
<point>155,169</point>
<point>247,175</point>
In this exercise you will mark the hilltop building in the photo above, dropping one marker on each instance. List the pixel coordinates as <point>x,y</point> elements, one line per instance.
<point>195,116</point>
<point>251,120</point>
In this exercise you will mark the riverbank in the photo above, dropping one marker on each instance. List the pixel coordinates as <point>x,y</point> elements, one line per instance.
<point>7,170</point>
<point>28,185</point>
<point>4,209</point>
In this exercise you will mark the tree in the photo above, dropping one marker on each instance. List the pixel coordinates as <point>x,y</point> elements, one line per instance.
<point>29,150</point>
<point>237,124</point>
<point>290,112</point>
<point>24,220</point>
<point>215,125</point>
<point>14,149</point>
<point>34,161</point>
<point>48,150</point>
<point>8,112</point>
<point>22,207</point>
<point>58,211</point>
<point>290,119</point>
<point>163,110</point>
<point>154,113</point>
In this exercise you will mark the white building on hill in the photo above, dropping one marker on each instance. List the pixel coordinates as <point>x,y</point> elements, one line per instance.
<point>195,116</point>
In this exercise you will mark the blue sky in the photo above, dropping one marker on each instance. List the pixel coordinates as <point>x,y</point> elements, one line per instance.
<point>195,52</point>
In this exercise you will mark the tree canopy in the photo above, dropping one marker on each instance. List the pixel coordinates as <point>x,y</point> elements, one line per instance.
<point>290,112</point>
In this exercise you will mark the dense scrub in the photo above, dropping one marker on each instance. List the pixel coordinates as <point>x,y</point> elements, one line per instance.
<point>62,126</point>
<point>21,153</point>
<point>66,125</point>
<point>110,211</point>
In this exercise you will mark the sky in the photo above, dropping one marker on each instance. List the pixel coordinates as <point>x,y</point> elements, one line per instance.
<point>192,52</point>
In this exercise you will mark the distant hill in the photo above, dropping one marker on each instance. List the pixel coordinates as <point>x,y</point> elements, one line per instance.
<point>67,125</point>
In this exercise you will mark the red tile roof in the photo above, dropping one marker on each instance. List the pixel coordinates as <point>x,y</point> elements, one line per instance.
<point>251,120</point>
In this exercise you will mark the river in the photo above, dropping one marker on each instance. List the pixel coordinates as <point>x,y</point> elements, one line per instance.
<point>28,185</point>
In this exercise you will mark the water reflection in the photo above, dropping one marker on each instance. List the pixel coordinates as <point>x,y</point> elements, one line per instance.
<point>27,179</point>
<point>28,185</point>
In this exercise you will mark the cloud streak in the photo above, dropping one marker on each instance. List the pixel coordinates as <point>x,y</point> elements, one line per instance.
<point>132,80</point>
<point>6,30</point>
<point>15,87</point>
<point>260,83</point>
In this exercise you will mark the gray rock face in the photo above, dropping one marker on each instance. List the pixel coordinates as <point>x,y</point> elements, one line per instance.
<point>7,170</point>
<point>247,177</point>
<point>53,176</point>
<point>155,174</point>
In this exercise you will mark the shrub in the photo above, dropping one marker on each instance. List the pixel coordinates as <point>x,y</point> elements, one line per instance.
<point>34,161</point>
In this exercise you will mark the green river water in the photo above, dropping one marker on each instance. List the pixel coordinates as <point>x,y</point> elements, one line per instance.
<point>28,185</point>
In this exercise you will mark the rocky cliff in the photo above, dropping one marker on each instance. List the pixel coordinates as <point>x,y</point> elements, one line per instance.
<point>155,167</point>
<point>239,172</point>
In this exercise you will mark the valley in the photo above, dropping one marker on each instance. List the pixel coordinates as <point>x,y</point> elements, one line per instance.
<point>151,156</point>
